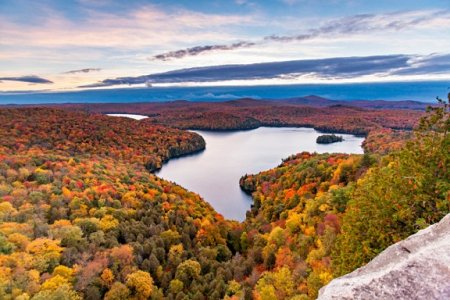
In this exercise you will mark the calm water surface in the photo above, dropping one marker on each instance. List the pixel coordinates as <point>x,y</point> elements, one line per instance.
<point>215,172</point>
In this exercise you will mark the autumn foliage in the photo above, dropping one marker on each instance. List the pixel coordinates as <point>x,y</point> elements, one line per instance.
<point>250,113</point>
<point>81,216</point>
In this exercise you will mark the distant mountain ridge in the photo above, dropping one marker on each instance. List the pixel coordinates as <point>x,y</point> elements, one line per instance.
<point>310,100</point>
<point>313,100</point>
<point>353,117</point>
<point>318,101</point>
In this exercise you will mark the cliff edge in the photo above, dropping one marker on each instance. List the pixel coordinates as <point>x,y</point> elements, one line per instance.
<point>415,268</point>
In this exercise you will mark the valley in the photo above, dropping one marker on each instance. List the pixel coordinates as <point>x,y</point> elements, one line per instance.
<point>80,209</point>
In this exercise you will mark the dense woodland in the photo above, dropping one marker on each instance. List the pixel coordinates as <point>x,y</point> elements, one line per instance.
<point>249,113</point>
<point>329,139</point>
<point>81,216</point>
<point>77,133</point>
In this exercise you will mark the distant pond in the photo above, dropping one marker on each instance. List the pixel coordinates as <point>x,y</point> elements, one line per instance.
<point>215,172</point>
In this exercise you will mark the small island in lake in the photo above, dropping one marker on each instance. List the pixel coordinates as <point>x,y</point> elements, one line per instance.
<point>328,139</point>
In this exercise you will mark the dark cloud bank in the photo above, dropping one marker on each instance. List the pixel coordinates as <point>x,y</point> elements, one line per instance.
<point>330,68</point>
<point>199,50</point>
<point>29,79</point>
<point>87,70</point>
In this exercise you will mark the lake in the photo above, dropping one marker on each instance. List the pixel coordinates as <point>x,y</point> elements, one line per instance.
<point>214,173</point>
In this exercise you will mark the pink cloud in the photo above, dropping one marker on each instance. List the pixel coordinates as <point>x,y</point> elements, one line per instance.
<point>146,27</point>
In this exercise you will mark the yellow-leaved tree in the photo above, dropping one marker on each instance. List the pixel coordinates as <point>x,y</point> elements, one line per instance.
<point>407,192</point>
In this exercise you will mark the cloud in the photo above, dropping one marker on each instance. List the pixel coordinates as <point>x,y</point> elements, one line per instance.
<point>18,92</point>
<point>290,2</point>
<point>29,79</point>
<point>200,49</point>
<point>430,64</point>
<point>329,68</point>
<point>356,24</point>
<point>366,23</point>
<point>87,70</point>
<point>247,3</point>
<point>241,2</point>
<point>134,28</point>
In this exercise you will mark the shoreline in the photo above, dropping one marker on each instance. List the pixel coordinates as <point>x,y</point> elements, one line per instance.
<point>206,163</point>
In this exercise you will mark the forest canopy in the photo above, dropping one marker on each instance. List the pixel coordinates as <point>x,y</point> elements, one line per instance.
<point>81,216</point>
<point>328,139</point>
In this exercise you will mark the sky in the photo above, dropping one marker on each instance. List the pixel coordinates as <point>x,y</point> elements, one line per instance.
<point>57,45</point>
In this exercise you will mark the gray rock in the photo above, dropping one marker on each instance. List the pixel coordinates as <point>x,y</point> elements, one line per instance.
<point>415,268</point>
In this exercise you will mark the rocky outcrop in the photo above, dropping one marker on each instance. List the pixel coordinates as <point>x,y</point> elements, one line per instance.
<point>415,268</point>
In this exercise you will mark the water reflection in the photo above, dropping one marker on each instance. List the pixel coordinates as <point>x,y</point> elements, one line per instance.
<point>215,172</point>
